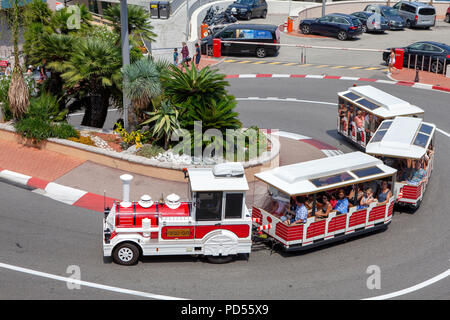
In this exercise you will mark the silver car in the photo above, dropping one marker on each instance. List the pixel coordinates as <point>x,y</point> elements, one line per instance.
<point>416,14</point>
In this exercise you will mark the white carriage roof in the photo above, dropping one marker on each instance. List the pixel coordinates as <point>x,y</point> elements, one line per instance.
<point>403,137</point>
<point>203,179</point>
<point>326,173</point>
<point>379,103</point>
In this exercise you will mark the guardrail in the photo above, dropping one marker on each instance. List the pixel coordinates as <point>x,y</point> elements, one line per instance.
<point>303,48</point>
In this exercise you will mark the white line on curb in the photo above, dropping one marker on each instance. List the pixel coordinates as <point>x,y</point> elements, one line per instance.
<point>413,288</point>
<point>88,284</point>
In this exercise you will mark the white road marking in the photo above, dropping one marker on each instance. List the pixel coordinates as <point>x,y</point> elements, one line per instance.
<point>82,113</point>
<point>413,288</point>
<point>443,132</point>
<point>286,100</point>
<point>88,284</point>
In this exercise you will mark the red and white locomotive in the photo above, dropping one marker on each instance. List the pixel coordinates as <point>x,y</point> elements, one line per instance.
<point>214,222</point>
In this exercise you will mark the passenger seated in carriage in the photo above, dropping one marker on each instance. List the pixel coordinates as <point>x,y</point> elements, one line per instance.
<point>300,215</point>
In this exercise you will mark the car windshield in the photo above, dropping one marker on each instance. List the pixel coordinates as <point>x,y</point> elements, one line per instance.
<point>246,2</point>
<point>389,11</point>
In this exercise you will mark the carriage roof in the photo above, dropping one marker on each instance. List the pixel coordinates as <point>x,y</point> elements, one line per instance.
<point>379,103</point>
<point>327,173</point>
<point>402,137</point>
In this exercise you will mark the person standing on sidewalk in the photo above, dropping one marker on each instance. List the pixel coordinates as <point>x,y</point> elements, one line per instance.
<point>175,56</point>
<point>392,60</point>
<point>185,56</point>
<point>197,56</point>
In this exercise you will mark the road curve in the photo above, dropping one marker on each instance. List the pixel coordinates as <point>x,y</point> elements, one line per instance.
<point>47,236</point>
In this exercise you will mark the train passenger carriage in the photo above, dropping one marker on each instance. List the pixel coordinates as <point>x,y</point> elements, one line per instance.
<point>213,222</point>
<point>361,109</point>
<point>406,144</point>
<point>316,178</point>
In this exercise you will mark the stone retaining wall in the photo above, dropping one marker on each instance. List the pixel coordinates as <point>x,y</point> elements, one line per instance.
<point>137,164</point>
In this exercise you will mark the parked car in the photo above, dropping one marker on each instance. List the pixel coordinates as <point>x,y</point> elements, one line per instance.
<point>372,22</point>
<point>432,55</point>
<point>447,15</point>
<point>416,14</point>
<point>342,26</point>
<point>261,33</point>
<point>247,9</point>
<point>396,22</point>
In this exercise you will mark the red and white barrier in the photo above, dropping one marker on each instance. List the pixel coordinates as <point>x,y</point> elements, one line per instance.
<point>257,220</point>
<point>265,227</point>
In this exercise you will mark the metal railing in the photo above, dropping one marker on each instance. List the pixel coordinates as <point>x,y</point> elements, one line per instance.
<point>434,64</point>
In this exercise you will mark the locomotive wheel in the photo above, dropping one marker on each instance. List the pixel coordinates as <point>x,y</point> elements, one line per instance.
<point>126,254</point>
<point>219,259</point>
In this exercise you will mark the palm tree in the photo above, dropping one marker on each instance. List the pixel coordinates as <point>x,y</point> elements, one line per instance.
<point>165,122</point>
<point>194,86</point>
<point>141,85</point>
<point>138,22</point>
<point>56,49</point>
<point>93,69</point>
<point>18,94</point>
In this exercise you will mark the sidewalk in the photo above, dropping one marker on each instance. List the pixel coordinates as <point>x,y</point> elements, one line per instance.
<point>84,183</point>
<point>436,80</point>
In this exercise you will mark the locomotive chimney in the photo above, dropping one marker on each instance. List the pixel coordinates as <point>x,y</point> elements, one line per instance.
<point>126,179</point>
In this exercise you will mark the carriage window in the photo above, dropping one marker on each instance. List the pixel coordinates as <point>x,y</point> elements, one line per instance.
<point>385,125</point>
<point>369,105</point>
<point>360,173</point>
<point>209,206</point>
<point>320,182</point>
<point>424,128</point>
<point>351,96</point>
<point>378,136</point>
<point>233,205</point>
<point>421,140</point>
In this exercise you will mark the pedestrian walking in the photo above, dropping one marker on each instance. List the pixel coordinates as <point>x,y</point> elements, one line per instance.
<point>197,56</point>
<point>175,56</point>
<point>392,61</point>
<point>185,56</point>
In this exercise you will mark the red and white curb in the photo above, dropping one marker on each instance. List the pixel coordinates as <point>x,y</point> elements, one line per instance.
<point>58,192</point>
<point>314,76</point>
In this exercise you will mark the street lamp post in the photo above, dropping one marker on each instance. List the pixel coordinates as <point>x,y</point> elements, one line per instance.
<point>187,20</point>
<point>125,54</point>
<point>323,7</point>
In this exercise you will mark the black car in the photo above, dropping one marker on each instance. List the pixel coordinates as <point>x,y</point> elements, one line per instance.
<point>396,22</point>
<point>372,22</point>
<point>422,53</point>
<point>342,26</point>
<point>247,9</point>
<point>244,33</point>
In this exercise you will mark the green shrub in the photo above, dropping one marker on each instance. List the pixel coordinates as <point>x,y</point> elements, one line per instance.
<point>63,131</point>
<point>45,107</point>
<point>150,151</point>
<point>34,128</point>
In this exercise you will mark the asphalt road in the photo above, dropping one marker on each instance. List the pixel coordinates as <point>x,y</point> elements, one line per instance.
<point>43,235</point>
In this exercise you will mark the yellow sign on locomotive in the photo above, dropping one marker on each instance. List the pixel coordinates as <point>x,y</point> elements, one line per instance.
<point>178,232</point>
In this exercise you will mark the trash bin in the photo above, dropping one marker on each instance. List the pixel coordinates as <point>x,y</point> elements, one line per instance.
<point>154,9</point>
<point>164,9</point>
